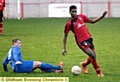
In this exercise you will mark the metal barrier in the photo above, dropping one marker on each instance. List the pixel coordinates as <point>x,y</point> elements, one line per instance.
<point>40,9</point>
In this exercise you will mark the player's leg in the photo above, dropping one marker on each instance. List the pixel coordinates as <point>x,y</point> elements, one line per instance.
<point>43,65</point>
<point>47,70</point>
<point>38,64</point>
<point>47,67</point>
<point>83,46</point>
<point>92,55</point>
<point>88,47</point>
<point>91,46</point>
<point>99,73</point>
<point>1,22</point>
<point>87,61</point>
<point>25,67</point>
<point>51,68</point>
<point>84,64</point>
<point>1,28</point>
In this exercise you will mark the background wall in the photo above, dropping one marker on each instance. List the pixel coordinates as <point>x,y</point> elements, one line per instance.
<point>39,8</point>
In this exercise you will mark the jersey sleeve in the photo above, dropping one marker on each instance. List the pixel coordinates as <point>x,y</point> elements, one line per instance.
<point>4,3</point>
<point>5,62</point>
<point>67,28</point>
<point>85,18</point>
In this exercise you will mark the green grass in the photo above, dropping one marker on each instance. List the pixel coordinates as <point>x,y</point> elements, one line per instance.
<point>42,41</point>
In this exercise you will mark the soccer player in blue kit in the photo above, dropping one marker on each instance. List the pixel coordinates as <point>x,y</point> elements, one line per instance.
<point>14,57</point>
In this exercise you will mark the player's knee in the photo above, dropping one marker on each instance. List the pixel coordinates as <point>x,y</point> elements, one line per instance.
<point>91,54</point>
<point>93,57</point>
<point>1,22</point>
<point>37,63</point>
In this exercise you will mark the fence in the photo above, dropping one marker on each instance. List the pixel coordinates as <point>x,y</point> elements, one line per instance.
<point>40,9</point>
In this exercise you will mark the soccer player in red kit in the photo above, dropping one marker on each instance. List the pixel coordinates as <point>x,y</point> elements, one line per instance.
<point>83,38</point>
<point>2,14</point>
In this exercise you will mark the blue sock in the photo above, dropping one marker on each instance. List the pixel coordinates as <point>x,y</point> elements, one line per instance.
<point>47,66</point>
<point>51,70</point>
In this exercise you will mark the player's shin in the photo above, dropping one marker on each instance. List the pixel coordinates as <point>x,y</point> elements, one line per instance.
<point>46,70</point>
<point>96,67</point>
<point>49,66</point>
<point>87,61</point>
<point>1,28</point>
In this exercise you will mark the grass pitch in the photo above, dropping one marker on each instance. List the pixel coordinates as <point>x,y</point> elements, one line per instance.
<point>42,41</point>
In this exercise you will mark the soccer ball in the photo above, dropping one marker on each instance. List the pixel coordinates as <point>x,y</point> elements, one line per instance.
<point>76,70</point>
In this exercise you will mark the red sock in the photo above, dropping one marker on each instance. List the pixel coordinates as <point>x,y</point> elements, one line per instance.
<point>87,62</point>
<point>96,67</point>
<point>1,27</point>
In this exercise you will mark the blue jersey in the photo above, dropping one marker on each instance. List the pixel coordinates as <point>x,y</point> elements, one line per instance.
<point>13,57</point>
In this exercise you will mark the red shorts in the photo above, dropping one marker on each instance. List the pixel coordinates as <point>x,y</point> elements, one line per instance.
<point>86,44</point>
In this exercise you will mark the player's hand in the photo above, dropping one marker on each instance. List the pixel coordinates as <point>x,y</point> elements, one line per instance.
<point>64,52</point>
<point>104,13</point>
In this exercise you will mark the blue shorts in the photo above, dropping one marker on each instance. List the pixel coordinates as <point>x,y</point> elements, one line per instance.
<point>25,67</point>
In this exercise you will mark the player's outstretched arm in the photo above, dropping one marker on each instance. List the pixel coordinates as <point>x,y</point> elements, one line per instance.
<point>5,13</point>
<point>64,44</point>
<point>98,18</point>
<point>5,62</point>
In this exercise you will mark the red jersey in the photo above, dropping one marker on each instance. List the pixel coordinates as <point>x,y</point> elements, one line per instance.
<point>2,5</point>
<point>78,27</point>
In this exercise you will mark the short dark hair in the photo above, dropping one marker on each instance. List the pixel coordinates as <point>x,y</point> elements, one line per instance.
<point>15,40</point>
<point>72,7</point>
